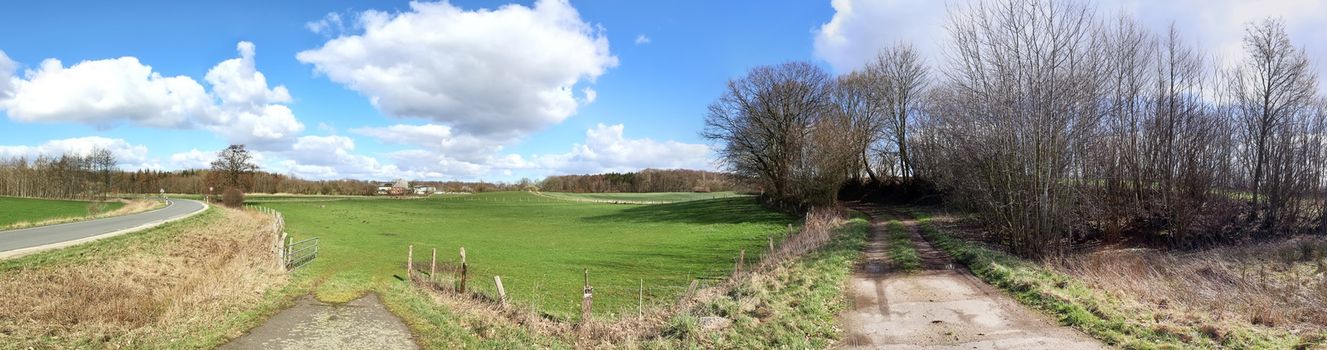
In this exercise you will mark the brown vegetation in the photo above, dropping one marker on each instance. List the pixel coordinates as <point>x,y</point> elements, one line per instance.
<point>180,285</point>
<point>1278,285</point>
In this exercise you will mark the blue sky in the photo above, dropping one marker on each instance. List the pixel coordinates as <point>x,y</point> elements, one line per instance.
<point>462,90</point>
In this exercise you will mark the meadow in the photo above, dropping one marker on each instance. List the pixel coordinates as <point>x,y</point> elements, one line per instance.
<point>29,210</point>
<point>539,246</point>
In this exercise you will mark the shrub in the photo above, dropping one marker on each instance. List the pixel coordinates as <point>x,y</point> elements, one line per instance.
<point>233,197</point>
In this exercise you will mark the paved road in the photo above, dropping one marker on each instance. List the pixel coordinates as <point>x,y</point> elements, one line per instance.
<point>30,240</point>
<point>939,307</point>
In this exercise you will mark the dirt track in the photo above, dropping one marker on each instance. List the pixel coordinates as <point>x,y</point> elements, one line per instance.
<point>939,307</point>
<point>363,323</point>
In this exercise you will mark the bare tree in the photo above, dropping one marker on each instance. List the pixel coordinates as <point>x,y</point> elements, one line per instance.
<point>857,106</point>
<point>103,164</point>
<point>234,167</point>
<point>1274,84</point>
<point>900,79</point>
<point>765,121</point>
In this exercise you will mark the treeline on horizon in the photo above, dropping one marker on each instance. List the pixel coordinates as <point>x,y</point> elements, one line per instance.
<point>648,180</point>
<point>74,176</point>
<point>1054,123</point>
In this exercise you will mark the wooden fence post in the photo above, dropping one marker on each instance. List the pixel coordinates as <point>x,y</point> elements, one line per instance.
<point>502,292</point>
<point>640,301</point>
<point>687,295</point>
<point>587,299</point>
<point>464,268</point>
<point>771,244</point>
<point>289,249</point>
<point>433,267</point>
<point>410,264</point>
<point>741,260</point>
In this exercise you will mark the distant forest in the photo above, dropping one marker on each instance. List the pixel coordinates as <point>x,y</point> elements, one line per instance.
<point>97,175</point>
<point>648,180</point>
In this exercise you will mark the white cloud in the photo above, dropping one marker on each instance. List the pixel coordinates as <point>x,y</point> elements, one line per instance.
<point>7,67</point>
<point>607,149</point>
<point>642,39</point>
<point>193,159</point>
<point>859,28</point>
<point>128,155</point>
<point>333,157</point>
<point>104,93</point>
<point>439,139</point>
<point>250,112</point>
<point>331,24</point>
<point>508,71</point>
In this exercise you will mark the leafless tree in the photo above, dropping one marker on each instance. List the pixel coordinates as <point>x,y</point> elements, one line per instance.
<point>900,80</point>
<point>765,122</point>
<point>104,164</point>
<point>234,168</point>
<point>1273,85</point>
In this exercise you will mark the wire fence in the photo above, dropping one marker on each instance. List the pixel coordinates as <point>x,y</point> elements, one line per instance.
<point>608,295</point>
<point>290,254</point>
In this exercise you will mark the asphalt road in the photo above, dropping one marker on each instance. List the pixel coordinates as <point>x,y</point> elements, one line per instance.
<point>30,240</point>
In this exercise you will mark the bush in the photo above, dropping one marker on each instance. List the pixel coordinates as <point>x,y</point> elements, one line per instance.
<point>233,197</point>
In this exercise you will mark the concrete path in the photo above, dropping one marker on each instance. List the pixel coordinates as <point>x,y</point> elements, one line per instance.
<point>360,324</point>
<point>939,307</point>
<point>25,241</point>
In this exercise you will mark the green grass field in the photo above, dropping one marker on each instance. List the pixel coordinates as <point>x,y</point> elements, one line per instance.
<point>539,246</point>
<point>16,210</point>
<point>642,197</point>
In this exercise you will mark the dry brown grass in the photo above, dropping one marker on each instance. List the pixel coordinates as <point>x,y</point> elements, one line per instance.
<point>169,287</point>
<point>131,206</point>
<point>1278,285</point>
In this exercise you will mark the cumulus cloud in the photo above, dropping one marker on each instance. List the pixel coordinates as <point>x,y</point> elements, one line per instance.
<point>642,39</point>
<point>193,159</point>
<point>7,67</point>
<point>334,157</point>
<point>129,156</point>
<point>104,93</point>
<point>860,28</point>
<point>607,149</point>
<point>507,71</point>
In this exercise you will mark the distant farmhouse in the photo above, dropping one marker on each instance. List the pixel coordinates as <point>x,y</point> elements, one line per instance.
<point>399,188</point>
<point>422,190</point>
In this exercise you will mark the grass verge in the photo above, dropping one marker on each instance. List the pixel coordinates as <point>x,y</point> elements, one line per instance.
<point>902,254</point>
<point>1106,317</point>
<point>795,305</point>
<point>182,285</point>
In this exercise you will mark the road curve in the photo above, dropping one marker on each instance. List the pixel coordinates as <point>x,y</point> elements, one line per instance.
<point>31,240</point>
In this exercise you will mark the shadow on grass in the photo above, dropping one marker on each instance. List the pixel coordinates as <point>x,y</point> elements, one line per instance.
<point>709,211</point>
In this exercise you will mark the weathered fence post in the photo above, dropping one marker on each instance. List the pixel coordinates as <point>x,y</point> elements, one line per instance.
<point>771,244</point>
<point>410,264</point>
<point>502,292</point>
<point>289,249</point>
<point>741,260</point>
<point>464,267</point>
<point>433,267</point>
<point>687,295</point>
<point>587,299</point>
<point>640,301</point>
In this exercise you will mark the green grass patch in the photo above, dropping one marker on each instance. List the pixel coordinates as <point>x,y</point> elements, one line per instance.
<point>796,306</point>
<point>539,246</point>
<point>30,210</point>
<point>902,254</point>
<point>1075,304</point>
<point>668,197</point>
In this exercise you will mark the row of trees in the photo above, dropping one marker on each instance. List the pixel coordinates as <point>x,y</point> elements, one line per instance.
<point>73,176</point>
<point>1056,125</point>
<point>648,180</point>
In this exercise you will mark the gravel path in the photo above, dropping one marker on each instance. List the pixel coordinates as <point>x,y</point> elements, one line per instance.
<point>940,307</point>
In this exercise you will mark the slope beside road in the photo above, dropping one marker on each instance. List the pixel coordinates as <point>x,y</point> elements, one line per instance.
<point>26,241</point>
